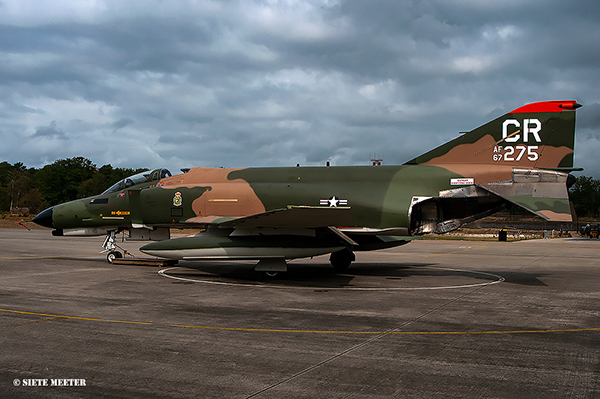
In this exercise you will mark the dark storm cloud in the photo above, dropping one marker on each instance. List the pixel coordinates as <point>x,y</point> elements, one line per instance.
<point>49,131</point>
<point>244,83</point>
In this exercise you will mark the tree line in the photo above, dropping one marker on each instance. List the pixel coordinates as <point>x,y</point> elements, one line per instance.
<point>25,189</point>
<point>585,195</point>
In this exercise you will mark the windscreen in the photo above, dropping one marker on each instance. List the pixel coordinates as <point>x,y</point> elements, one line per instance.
<point>128,182</point>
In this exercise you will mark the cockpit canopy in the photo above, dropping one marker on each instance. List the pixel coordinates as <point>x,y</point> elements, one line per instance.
<point>139,178</point>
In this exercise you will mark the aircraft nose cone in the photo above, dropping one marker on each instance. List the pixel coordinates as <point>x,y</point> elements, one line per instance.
<point>44,218</point>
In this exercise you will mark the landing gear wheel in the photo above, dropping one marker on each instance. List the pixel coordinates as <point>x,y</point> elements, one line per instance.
<point>271,274</point>
<point>113,255</point>
<point>341,260</point>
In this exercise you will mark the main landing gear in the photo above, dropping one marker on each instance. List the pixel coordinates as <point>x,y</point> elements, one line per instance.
<point>341,260</point>
<point>111,246</point>
<point>271,267</point>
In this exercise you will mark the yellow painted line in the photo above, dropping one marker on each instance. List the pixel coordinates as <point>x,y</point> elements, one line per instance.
<point>455,252</point>
<point>383,332</point>
<point>499,331</point>
<point>274,330</point>
<point>56,316</point>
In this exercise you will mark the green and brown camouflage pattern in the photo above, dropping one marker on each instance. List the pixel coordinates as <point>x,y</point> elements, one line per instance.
<point>521,158</point>
<point>380,197</point>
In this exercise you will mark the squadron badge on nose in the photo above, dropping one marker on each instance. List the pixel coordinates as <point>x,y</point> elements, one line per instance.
<point>177,200</point>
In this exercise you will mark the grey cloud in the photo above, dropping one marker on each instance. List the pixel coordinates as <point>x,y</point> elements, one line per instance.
<point>11,106</point>
<point>121,123</point>
<point>261,83</point>
<point>588,117</point>
<point>50,131</point>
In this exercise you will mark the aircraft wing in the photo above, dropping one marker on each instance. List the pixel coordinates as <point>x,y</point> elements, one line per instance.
<point>292,216</point>
<point>287,233</point>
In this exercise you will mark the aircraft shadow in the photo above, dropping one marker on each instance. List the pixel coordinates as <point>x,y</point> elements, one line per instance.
<point>522,278</point>
<point>386,275</point>
<point>510,277</point>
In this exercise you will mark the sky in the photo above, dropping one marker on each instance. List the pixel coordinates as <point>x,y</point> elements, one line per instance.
<point>277,83</point>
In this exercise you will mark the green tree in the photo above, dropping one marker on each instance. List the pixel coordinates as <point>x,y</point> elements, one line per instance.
<point>5,169</point>
<point>585,195</point>
<point>33,200</point>
<point>16,181</point>
<point>63,180</point>
<point>60,181</point>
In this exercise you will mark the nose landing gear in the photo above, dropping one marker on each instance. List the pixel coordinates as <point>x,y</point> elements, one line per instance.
<point>111,246</point>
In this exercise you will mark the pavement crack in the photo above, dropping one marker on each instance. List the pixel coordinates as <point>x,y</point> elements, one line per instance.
<point>366,342</point>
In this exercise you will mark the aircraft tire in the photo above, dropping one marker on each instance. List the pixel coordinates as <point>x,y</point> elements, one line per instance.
<point>341,260</point>
<point>113,255</point>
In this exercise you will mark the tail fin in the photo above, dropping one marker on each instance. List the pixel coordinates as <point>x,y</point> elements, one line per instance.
<point>520,158</point>
<point>539,136</point>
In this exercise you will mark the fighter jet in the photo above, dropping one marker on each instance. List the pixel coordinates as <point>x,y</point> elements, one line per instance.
<point>272,215</point>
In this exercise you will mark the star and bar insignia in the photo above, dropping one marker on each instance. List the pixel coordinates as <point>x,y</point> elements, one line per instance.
<point>334,202</point>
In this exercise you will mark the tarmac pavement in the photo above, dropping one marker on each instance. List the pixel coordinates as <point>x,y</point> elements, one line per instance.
<point>437,318</point>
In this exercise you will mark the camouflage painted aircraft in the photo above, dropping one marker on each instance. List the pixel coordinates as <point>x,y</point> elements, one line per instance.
<point>272,215</point>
